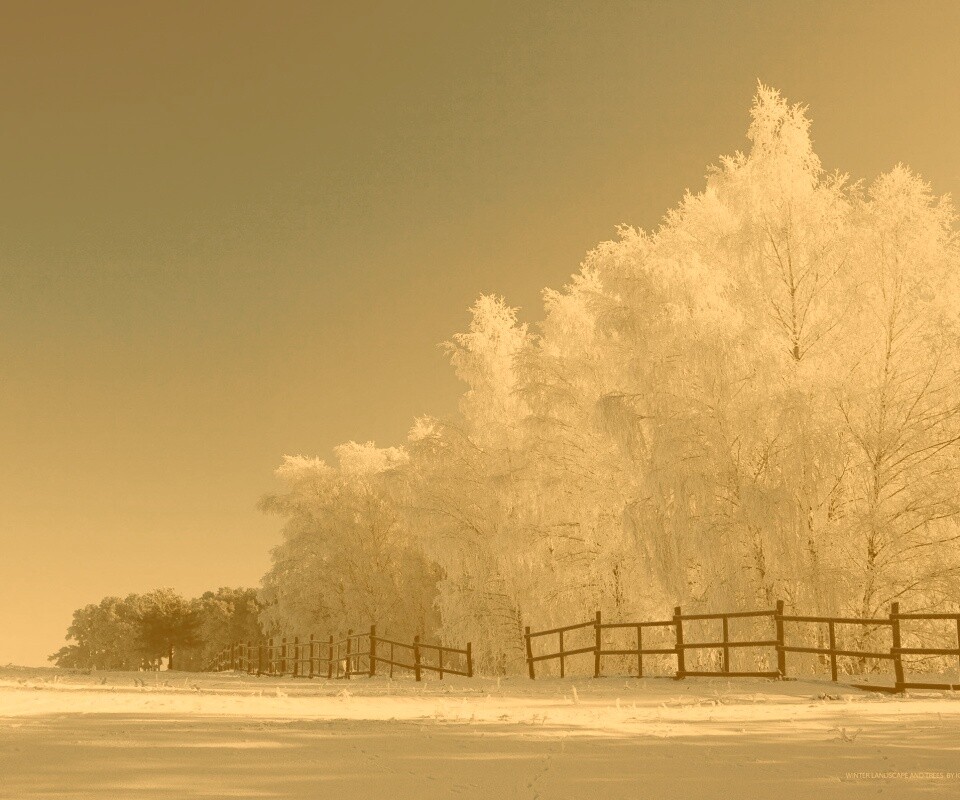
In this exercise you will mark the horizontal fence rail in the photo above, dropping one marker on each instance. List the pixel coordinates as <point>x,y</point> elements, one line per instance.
<point>776,643</point>
<point>354,654</point>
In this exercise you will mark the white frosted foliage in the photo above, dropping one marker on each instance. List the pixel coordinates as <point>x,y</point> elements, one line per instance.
<point>757,401</point>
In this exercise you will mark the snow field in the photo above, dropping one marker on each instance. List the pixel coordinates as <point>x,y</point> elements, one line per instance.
<point>118,735</point>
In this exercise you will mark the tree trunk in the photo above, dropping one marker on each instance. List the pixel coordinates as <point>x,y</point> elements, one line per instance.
<point>170,659</point>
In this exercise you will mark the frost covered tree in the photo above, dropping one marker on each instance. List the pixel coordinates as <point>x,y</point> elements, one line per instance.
<point>758,400</point>
<point>900,401</point>
<point>740,330</point>
<point>346,561</point>
<point>463,490</point>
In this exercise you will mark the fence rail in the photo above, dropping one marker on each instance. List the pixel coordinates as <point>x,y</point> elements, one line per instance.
<point>354,654</point>
<point>777,643</point>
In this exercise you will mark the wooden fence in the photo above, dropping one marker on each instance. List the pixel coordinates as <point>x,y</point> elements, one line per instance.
<point>777,644</point>
<point>355,654</point>
<point>363,653</point>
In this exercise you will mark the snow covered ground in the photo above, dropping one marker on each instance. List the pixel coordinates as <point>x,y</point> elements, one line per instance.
<point>186,735</point>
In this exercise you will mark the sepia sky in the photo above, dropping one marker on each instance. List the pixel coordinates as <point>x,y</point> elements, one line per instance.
<point>230,231</point>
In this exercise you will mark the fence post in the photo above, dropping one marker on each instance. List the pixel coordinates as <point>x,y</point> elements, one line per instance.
<point>373,650</point>
<point>832,633</point>
<point>311,673</point>
<point>895,650</point>
<point>416,656</point>
<point>330,659</point>
<point>249,648</point>
<point>678,622</point>
<point>470,659</point>
<point>530,670</point>
<point>639,651</point>
<point>781,653</point>
<point>296,656</point>
<point>596,648</point>
<point>726,648</point>
<point>562,668</point>
<point>349,642</point>
<point>271,653</point>
<point>260,658</point>
<point>958,636</point>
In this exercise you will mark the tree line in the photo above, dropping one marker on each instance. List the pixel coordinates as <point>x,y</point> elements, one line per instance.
<point>137,631</point>
<point>757,400</point>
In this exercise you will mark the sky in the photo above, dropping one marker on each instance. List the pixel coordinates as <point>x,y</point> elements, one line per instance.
<point>234,231</point>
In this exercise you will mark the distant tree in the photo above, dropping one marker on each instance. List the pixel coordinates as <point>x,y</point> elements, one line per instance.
<point>167,623</point>
<point>143,628</point>
<point>105,636</point>
<point>224,617</point>
<point>73,656</point>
